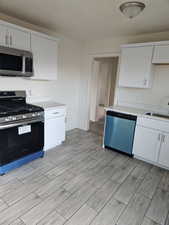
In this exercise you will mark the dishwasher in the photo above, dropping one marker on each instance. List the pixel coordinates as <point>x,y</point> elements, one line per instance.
<point>119,132</point>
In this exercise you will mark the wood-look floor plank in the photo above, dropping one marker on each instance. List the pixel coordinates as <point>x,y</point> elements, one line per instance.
<point>19,193</point>
<point>159,207</point>
<point>110,213</point>
<point>69,207</point>
<point>17,222</point>
<point>3,205</point>
<point>167,220</point>
<point>164,184</point>
<point>100,197</point>
<point>147,221</point>
<point>9,186</point>
<point>135,211</point>
<point>18,209</point>
<point>40,211</point>
<point>149,185</point>
<point>84,216</point>
<point>127,189</point>
<point>53,185</point>
<point>52,218</point>
<point>120,173</point>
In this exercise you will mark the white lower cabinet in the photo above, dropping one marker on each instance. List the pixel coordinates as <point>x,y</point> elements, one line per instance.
<point>164,150</point>
<point>151,143</point>
<point>146,143</point>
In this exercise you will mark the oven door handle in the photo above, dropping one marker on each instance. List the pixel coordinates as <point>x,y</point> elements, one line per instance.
<point>23,122</point>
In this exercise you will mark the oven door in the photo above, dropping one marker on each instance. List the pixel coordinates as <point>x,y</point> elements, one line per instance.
<point>20,140</point>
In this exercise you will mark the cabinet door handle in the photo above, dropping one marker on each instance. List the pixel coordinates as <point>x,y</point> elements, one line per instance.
<point>163,138</point>
<point>6,39</point>
<point>159,137</point>
<point>145,82</point>
<point>10,39</point>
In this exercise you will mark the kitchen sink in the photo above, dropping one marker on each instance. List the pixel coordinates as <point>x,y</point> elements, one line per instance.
<point>157,115</point>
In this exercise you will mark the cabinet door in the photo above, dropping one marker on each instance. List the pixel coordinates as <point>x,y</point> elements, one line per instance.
<point>136,66</point>
<point>3,35</point>
<point>161,54</point>
<point>45,57</point>
<point>164,151</point>
<point>54,132</point>
<point>18,39</point>
<point>146,143</point>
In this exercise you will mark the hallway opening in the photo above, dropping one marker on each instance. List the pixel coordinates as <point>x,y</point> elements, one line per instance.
<point>102,94</point>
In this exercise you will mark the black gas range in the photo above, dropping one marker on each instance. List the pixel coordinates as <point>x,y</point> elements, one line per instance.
<point>21,130</point>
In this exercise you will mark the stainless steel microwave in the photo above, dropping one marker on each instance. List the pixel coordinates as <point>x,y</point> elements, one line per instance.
<point>15,62</point>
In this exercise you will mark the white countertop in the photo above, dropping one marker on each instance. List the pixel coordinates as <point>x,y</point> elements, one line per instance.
<point>136,112</point>
<point>49,104</point>
<point>127,110</point>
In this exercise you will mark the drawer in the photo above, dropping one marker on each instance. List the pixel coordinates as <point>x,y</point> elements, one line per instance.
<point>162,125</point>
<point>51,113</point>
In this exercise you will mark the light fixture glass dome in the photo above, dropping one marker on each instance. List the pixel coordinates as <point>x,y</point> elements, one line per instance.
<point>132,9</point>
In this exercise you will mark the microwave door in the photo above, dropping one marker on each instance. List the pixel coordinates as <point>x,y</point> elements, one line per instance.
<point>11,65</point>
<point>15,62</point>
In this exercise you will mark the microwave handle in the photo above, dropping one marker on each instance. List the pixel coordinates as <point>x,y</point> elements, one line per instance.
<point>25,122</point>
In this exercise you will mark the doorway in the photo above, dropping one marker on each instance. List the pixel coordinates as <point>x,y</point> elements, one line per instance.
<point>102,94</point>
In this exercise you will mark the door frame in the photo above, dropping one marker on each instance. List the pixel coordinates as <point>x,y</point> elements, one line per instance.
<point>91,59</point>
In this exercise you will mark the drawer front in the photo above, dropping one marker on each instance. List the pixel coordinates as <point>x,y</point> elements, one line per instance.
<point>153,123</point>
<point>55,113</point>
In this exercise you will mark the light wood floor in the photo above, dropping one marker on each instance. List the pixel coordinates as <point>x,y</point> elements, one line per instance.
<point>97,127</point>
<point>79,183</point>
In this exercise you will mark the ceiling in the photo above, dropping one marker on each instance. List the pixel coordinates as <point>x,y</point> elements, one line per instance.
<point>89,19</point>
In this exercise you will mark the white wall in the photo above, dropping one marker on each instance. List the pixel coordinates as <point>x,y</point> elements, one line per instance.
<point>66,88</point>
<point>112,46</point>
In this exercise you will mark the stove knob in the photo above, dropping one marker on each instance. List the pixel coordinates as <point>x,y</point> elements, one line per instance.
<point>33,114</point>
<point>24,117</point>
<point>7,119</point>
<point>13,118</point>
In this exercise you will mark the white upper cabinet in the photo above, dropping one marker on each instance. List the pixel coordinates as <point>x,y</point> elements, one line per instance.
<point>18,39</point>
<point>164,152</point>
<point>45,57</point>
<point>14,38</point>
<point>136,67</point>
<point>3,35</point>
<point>161,54</point>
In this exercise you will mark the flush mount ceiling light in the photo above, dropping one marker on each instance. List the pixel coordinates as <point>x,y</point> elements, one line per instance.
<point>132,9</point>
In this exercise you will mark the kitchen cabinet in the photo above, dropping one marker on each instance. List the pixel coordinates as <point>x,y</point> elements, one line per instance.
<point>14,38</point>
<point>146,143</point>
<point>45,57</point>
<point>55,121</point>
<point>18,39</point>
<point>161,54</point>
<point>151,142</point>
<point>3,35</point>
<point>136,67</point>
<point>164,151</point>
